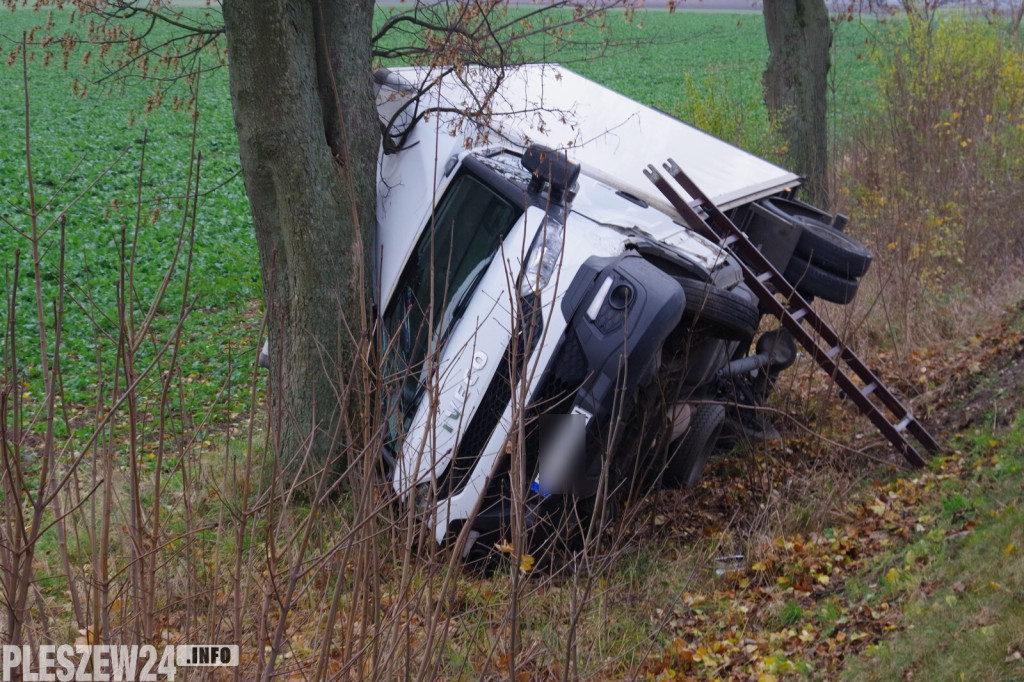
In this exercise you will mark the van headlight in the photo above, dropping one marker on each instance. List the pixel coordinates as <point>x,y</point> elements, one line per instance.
<point>421,497</point>
<point>541,261</point>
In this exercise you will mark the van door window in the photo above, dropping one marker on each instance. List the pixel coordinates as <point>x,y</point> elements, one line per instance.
<point>436,284</point>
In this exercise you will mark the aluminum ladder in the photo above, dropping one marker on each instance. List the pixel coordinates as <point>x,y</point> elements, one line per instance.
<point>822,342</point>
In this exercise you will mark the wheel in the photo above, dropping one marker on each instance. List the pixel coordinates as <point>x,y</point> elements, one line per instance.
<point>811,280</point>
<point>822,241</point>
<point>729,315</point>
<point>833,251</point>
<point>690,452</point>
<point>779,346</point>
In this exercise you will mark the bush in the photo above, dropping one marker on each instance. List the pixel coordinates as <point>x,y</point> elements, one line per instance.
<point>935,178</point>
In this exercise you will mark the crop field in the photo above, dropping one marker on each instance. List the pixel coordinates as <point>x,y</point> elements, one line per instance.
<point>87,158</point>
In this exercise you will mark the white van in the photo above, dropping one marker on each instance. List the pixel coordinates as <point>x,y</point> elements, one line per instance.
<point>553,336</point>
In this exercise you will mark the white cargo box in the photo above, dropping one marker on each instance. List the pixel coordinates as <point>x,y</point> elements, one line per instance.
<point>603,130</point>
<point>613,137</point>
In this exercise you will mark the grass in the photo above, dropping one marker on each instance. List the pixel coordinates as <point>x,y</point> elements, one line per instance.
<point>706,67</point>
<point>961,584</point>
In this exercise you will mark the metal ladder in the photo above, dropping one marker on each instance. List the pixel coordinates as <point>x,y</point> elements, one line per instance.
<point>797,316</point>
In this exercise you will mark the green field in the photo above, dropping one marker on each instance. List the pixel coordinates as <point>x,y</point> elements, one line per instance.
<point>82,132</point>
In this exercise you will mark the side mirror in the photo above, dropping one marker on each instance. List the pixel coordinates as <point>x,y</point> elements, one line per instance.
<point>551,166</point>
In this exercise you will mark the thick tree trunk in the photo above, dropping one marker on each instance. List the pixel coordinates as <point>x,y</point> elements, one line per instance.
<point>796,85</point>
<point>307,132</point>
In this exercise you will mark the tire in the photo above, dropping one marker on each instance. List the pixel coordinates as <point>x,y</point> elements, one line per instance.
<point>690,452</point>
<point>833,251</point>
<point>728,315</point>
<point>810,280</point>
<point>821,243</point>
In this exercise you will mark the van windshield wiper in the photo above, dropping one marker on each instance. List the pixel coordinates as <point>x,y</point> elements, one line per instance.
<point>462,298</point>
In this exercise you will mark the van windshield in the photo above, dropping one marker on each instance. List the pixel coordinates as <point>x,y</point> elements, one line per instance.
<point>437,282</point>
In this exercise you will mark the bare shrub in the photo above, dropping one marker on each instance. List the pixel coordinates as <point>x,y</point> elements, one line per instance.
<point>142,519</point>
<point>935,177</point>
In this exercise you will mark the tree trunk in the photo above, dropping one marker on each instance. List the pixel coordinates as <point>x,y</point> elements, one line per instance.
<point>308,136</point>
<point>796,85</point>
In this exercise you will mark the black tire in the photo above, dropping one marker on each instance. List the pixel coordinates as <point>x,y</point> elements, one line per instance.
<point>724,314</point>
<point>833,251</point>
<point>821,242</point>
<point>690,452</point>
<point>811,280</point>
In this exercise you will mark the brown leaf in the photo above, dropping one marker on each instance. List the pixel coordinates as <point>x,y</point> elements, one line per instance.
<point>985,616</point>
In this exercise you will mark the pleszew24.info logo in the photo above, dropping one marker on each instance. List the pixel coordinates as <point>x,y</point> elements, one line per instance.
<point>109,662</point>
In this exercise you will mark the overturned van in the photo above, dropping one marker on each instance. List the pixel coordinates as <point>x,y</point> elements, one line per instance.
<point>553,336</point>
